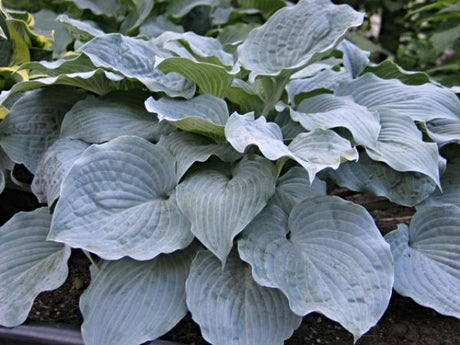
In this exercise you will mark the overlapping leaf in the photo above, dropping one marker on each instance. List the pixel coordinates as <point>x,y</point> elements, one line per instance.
<point>426,255</point>
<point>294,35</point>
<point>189,148</point>
<point>354,58</point>
<point>444,131</point>
<point>53,167</point>
<point>328,256</point>
<point>400,145</point>
<point>328,111</point>
<point>30,264</point>
<point>119,199</point>
<point>450,184</point>
<point>135,58</point>
<point>232,309</point>
<point>367,175</point>
<point>96,120</point>
<point>129,302</point>
<point>33,123</point>
<point>315,150</point>
<point>294,187</point>
<point>204,114</point>
<point>420,102</point>
<point>220,201</point>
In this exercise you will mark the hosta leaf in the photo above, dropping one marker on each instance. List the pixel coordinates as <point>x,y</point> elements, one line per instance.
<point>100,7</point>
<point>400,145</point>
<point>53,167</point>
<point>426,255</point>
<point>294,187</point>
<point>30,264</point>
<point>450,183</point>
<point>82,31</point>
<point>118,199</point>
<point>443,131</point>
<point>328,257</point>
<point>210,78</point>
<point>324,81</point>
<point>189,148</point>
<point>244,130</point>
<point>420,102</point>
<point>292,37</point>
<point>220,202</point>
<point>97,81</point>
<point>321,149</point>
<point>190,44</point>
<point>179,8</point>
<point>96,120</point>
<point>314,151</point>
<point>204,114</point>
<point>71,63</point>
<point>354,58</point>
<point>235,34</point>
<point>367,175</point>
<point>33,123</point>
<point>129,302</point>
<point>265,6</point>
<point>137,15</point>
<point>246,96</point>
<point>156,25</point>
<point>232,309</point>
<point>328,111</point>
<point>135,58</point>
<point>390,70</point>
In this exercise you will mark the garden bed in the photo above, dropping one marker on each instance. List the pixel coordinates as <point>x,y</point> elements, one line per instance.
<point>405,322</point>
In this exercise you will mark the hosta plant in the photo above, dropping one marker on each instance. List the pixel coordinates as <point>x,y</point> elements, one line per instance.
<point>186,147</point>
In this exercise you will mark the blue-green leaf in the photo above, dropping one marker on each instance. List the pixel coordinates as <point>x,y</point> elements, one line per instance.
<point>366,175</point>
<point>420,102</point>
<point>119,199</point>
<point>135,58</point>
<point>327,256</point>
<point>294,35</point>
<point>220,201</point>
<point>129,302</point>
<point>96,120</point>
<point>204,114</point>
<point>33,123</point>
<point>53,167</point>
<point>232,309</point>
<point>30,264</point>
<point>426,255</point>
<point>328,111</point>
<point>401,146</point>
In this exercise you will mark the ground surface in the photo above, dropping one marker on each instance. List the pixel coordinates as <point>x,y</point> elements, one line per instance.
<point>405,322</point>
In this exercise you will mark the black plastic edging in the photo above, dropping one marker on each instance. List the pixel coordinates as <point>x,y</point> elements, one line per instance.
<point>45,333</point>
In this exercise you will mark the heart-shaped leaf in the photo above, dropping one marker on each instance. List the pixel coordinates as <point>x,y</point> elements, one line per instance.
<point>53,167</point>
<point>232,309</point>
<point>292,37</point>
<point>220,202</point>
<point>426,255</point>
<point>33,123</point>
<point>328,257</point>
<point>129,302</point>
<point>30,264</point>
<point>118,199</point>
<point>96,120</point>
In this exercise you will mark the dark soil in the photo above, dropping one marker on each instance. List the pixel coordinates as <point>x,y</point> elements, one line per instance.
<point>404,322</point>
